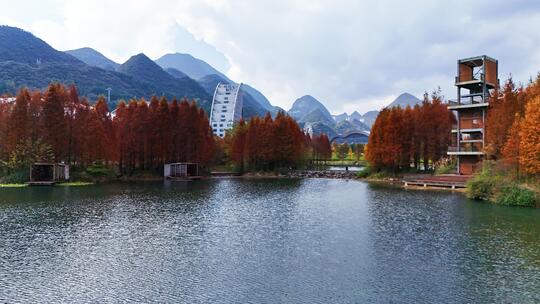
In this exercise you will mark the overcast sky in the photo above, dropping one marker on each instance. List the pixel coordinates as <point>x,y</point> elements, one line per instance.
<point>350,54</point>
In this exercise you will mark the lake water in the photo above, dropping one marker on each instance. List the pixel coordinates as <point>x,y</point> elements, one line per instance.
<point>263,241</point>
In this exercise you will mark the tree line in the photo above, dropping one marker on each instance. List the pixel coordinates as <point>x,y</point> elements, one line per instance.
<point>269,143</point>
<point>56,125</point>
<point>411,137</point>
<point>513,127</point>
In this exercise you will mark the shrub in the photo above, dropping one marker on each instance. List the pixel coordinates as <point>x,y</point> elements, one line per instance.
<point>99,170</point>
<point>364,172</point>
<point>445,165</point>
<point>17,177</point>
<point>482,186</point>
<point>514,195</point>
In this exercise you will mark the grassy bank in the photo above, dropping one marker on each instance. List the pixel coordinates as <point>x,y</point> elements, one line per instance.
<point>75,184</point>
<point>500,187</point>
<point>13,185</point>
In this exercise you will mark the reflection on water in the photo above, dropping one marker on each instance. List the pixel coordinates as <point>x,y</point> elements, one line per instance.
<point>261,241</point>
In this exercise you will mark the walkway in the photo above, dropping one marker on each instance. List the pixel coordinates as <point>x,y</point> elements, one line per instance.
<point>444,180</point>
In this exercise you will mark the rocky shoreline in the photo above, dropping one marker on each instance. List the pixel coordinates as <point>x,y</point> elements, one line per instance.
<point>322,174</point>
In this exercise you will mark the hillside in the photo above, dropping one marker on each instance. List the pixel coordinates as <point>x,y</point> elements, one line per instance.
<point>176,73</point>
<point>404,100</point>
<point>143,69</point>
<point>306,105</point>
<point>93,58</point>
<point>250,106</point>
<point>317,115</point>
<point>91,81</point>
<point>19,67</point>
<point>191,66</point>
<point>20,46</point>
<point>200,70</point>
<point>356,115</point>
<point>370,117</point>
<point>259,97</point>
<point>318,128</point>
<point>341,117</point>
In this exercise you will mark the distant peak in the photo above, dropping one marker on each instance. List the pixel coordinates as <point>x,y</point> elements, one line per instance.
<point>140,55</point>
<point>406,94</point>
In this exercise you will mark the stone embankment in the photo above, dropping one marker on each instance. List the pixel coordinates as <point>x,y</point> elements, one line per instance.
<point>322,174</point>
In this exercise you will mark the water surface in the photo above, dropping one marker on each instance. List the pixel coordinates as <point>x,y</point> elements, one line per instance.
<point>263,241</point>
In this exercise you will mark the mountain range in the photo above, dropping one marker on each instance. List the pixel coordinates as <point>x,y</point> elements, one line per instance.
<point>26,60</point>
<point>369,117</point>
<point>313,115</point>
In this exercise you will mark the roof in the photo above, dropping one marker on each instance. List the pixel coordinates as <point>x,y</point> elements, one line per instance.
<point>477,60</point>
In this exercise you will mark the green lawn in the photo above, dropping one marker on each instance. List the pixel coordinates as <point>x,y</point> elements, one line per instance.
<point>13,185</point>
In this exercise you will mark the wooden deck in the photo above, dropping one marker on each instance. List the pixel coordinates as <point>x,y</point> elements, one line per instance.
<point>446,180</point>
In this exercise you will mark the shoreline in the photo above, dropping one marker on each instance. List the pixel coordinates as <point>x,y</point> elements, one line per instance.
<point>303,174</point>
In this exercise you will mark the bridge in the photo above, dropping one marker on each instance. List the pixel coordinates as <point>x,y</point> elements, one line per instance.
<point>352,137</point>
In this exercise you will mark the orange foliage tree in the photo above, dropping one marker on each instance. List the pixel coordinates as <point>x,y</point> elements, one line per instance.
<point>503,105</point>
<point>139,135</point>
<point>529,145</point>
<point>267,143</point>
<point>401,137</point>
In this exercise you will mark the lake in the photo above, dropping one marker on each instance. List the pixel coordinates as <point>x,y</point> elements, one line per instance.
<point>263,241</point>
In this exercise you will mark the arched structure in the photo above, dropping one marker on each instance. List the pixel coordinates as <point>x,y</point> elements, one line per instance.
<point>352,137</point>
<point>226,108</point>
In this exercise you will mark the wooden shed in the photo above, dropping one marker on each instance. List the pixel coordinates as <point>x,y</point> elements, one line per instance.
<point>48,173</point>
<point>181,171</point>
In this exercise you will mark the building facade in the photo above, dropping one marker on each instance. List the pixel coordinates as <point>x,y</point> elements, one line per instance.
<point>226,108</point>
<point>477,77</point>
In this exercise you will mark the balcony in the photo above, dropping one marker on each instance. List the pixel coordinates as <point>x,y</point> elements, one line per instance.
<point>467,148</point>
<point>469,79</point>
<point>469,125</point>
<point>468,101</point>
<point>475,79</point>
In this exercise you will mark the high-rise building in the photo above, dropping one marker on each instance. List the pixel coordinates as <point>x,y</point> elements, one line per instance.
<point>226,108</point>
<point>477,76</point>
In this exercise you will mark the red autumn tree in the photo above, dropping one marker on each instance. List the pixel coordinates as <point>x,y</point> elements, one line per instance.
<point>54,123</point>
<point>529,147</point>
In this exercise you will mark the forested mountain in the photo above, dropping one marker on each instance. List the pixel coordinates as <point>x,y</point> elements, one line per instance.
<point>20,46</point>
<point>191,66</point>
<point>93,58</point>
<point>303,110</point>
<point>259,97</point>
<point>176,73</point>
<point>143,69</point>
<point>27,61</point>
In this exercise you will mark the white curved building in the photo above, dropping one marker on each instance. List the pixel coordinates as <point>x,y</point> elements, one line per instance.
<point>226,108</point>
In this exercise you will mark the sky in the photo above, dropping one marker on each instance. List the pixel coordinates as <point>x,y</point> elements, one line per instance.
<point>349,54</point>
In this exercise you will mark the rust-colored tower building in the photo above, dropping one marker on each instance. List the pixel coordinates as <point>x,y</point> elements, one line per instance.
<point>477,76</point>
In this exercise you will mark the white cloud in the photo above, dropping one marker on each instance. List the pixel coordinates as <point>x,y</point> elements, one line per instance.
<point>349,54</point>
